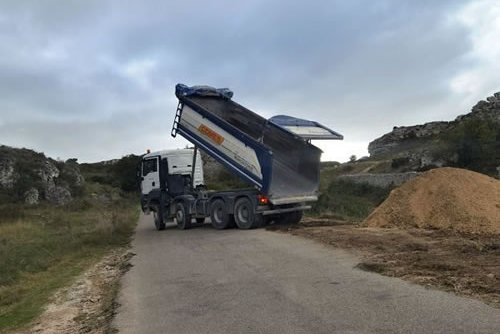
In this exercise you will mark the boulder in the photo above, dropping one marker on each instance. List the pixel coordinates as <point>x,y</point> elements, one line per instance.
<point>48,172</point>
<point>71,173</point>
<point>31,196</point>
<point>58,195</point>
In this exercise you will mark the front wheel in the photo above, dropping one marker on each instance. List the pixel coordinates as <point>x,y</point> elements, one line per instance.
<point>182,217</point>
<point>244,214</point>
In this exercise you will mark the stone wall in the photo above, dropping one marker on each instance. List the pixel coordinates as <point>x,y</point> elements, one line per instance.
<point>381,180</point>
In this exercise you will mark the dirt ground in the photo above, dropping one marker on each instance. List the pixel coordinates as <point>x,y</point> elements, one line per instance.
<point>88,305</point>
<point>467,265</point>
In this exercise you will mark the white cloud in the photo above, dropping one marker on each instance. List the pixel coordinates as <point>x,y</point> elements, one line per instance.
<point>482,19</point>
<point>55,51</point>
<point>140,71</point>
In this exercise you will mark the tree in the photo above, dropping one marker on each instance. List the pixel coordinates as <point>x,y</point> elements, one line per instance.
<point>124,172</point>
<point>353,158</point>
<point>476,143</point>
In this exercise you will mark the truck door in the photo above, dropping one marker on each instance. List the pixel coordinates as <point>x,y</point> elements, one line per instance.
<point>150,175</point>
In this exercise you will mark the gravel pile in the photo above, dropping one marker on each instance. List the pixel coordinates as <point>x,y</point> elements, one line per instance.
<point>450,199</point>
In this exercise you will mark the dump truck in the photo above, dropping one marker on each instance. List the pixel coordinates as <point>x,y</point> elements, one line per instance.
<point>275,156</point>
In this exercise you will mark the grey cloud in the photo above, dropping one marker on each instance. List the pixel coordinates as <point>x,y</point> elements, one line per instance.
<point>69,68</point>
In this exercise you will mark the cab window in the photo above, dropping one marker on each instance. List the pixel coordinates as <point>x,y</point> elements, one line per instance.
<point>149,166</point>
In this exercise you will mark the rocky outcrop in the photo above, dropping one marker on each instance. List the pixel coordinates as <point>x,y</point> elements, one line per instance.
<point>7,175</point>
<point>392,141</point>
<point>71,173</point>
<point>48,173</point>
<point>28,176</point>
<point>488,110</point>
<point>411,141</point>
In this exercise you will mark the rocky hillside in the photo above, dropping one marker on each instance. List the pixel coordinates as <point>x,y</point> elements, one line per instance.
<point>470,141</point>
<point>28,176</point>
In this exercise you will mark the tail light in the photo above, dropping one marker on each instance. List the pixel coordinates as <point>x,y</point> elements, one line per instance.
<point>262,199</point>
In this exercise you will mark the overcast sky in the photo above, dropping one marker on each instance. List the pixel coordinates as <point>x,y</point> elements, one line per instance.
<point>95,79</point>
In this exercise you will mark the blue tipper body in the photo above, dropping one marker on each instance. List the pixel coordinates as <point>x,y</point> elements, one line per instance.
<point>274,155</point>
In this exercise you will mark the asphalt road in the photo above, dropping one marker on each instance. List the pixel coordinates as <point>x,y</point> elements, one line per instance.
<point>232,281</point>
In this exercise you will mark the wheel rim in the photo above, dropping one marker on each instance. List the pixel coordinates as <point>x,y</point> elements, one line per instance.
<point>243,214</point>
<point>218,215</point>
<point>180,216</point>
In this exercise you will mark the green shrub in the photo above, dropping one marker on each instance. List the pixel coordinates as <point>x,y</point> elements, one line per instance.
<point>476,144</point>
<point>349,200</point>
<point>124,173</point>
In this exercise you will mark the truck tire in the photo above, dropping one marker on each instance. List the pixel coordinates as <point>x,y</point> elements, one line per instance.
<point>159,222</point>
<point>244,215</point>
<point>182,217</point>
<point>219,216</point>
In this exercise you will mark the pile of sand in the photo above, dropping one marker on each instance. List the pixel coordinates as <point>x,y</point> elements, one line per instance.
<point>445,198</point>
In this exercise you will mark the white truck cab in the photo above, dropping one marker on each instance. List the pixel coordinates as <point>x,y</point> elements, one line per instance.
<point>178,161</point>
<point>157,169</point>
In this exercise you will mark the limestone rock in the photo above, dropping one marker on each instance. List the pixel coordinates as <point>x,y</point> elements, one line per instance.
<point>7,173</point>
<point>71,173</point>
<point>58,195</point>
<point>48,172</point>
<point>484,110</point>
<point>31,196</point>
<point>29,176</point>
<point>392,141</point>
<point>408,141</point>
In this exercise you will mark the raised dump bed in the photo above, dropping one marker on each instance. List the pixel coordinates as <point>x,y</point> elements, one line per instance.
<point>275,155</point>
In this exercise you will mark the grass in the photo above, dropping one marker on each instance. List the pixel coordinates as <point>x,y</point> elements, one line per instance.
<point>43,248</point>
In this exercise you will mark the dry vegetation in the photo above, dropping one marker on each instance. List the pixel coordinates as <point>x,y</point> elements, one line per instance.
<point>44,247</point>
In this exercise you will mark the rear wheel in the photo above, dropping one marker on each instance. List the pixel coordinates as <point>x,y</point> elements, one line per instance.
<point>219,216</point>
<point>159,222</point>
<point>182,217</point>
<point>244,214</point>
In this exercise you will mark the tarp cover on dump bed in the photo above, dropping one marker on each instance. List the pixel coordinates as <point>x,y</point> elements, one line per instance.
<point>289,165</point>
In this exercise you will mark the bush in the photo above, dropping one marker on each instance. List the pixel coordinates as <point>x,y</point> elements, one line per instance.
<point>400,162</point>
<point>349,200</point>
<point>476,144</point>
<point>124,172</point>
